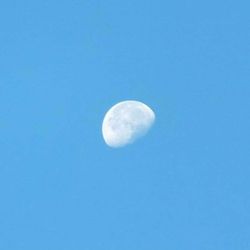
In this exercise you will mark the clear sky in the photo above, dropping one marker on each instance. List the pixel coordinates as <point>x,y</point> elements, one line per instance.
<point>185,186</point>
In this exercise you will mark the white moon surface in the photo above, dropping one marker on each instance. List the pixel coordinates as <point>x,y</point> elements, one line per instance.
<point>125,122</point>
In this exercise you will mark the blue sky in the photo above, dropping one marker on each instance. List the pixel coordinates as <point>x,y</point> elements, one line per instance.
<point>185,185</point>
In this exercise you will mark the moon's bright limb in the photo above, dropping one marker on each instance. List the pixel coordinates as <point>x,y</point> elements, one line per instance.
<point>125,122</point>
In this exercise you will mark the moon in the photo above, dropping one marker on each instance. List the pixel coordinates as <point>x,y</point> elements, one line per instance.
<point>125,122</point>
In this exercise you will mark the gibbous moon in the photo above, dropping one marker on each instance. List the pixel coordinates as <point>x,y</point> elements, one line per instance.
<point>125,122</point>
